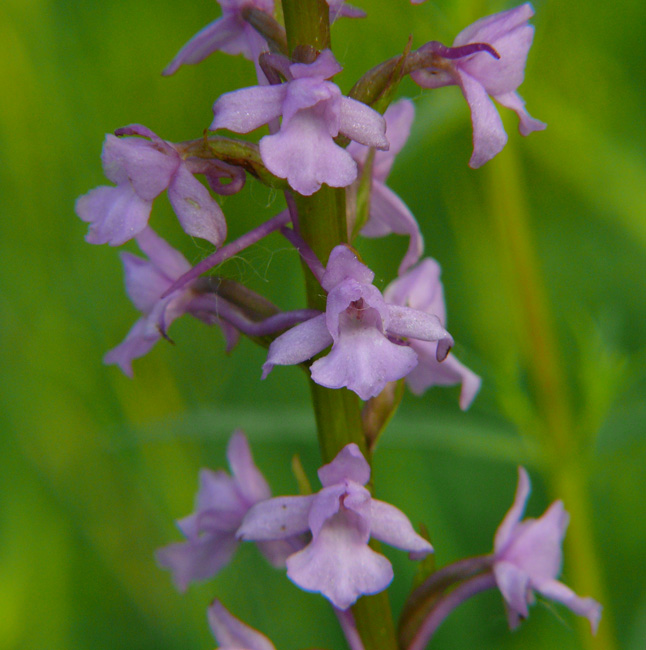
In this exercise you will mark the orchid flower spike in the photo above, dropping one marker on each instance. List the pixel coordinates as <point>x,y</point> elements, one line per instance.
<point>487,60</point>
<point>232,634</point>
<point>146,281</point>
<point>421,288</point>
<point>388,213</point>
<point>221,504</point>
<point>366,333</point>
<point>342,517</point>
<point>528,558</point>
<point>314,113</point>
<point>142,169</point>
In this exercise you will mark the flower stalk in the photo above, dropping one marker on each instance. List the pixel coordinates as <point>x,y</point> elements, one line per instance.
<point>322,225</point>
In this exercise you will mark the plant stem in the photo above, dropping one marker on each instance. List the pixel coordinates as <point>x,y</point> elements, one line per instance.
<point>307,23</point>
<point>321,222</point>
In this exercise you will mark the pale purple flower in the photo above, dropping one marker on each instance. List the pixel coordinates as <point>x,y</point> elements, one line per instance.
<point>314,113</point>
<point>230,33</point>
<point>528,558</point>
<point>232,634</point>
<point>388,213</point>
<point>142,169</point>
<point>341,517</point>
<point>366,333</point>
<point>146,281</point>
<point>220,506</point>
<point>420,288</point>
<point>481,76</point>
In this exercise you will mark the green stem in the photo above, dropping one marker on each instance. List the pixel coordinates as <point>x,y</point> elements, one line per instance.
<point>565,454</point>
<point>322,224</point>
<point>307,23</point>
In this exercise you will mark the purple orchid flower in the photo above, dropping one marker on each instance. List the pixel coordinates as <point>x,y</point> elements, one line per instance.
<point>314,113</point>
<point>481,75</point>
<point>143,169</point>
<point>365,333</point>
<point>221,504</point>
<point>230,33</point>
<point>420,288</point>
<point>232,634</point>
<point>146,282</point>
<point>528,558</point>
<point>341,517</point>
<point>388,213</point>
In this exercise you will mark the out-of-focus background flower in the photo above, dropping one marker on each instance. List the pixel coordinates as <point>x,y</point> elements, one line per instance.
<point>544,264</point>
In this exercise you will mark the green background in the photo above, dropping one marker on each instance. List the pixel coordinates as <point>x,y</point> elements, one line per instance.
<point>94,467</point>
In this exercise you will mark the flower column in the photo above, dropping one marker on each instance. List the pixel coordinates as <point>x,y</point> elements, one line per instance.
<point>322,224</point>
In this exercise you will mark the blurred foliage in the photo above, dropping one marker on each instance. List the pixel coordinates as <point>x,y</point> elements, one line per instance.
<point>94,467</point>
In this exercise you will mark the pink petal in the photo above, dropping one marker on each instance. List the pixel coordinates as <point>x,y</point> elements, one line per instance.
<point>514,585</point>
<point>502,75</point>
<point>349,463</point>
<point>196,560</point>
<point>588,607</point>
<point>305,154</point>
<point>388,213</point>
<point>327,503</point>
<point>491,28</point>
<point>429,372</point>
<point>342,264</point>
<point>115,214</point>
<point>140,163</point>
<point>399,119</point>
<point>339,9</point>
<point>392,526</point>
<point>231,632</point>
<point>373,314</point>
<point>362,124</point>
<point>489,136</point>
<point>324,67</point>
<point>247,109</point>
<point>419,288</point>
<point>167,260</point>
<point>144,282</point>
<point>217,492</point>
<point>505,531</point>
<point>515,102</point>
<point>196,209</point>
<point>250,482</point>
<point>536,546</point>
<point>138,342</point>
<point>276,518</point>
<point>339,563</point>
<point>306,93</point>
<point>298,344</point>
<point>364,361</point>
<point>412,323</point>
